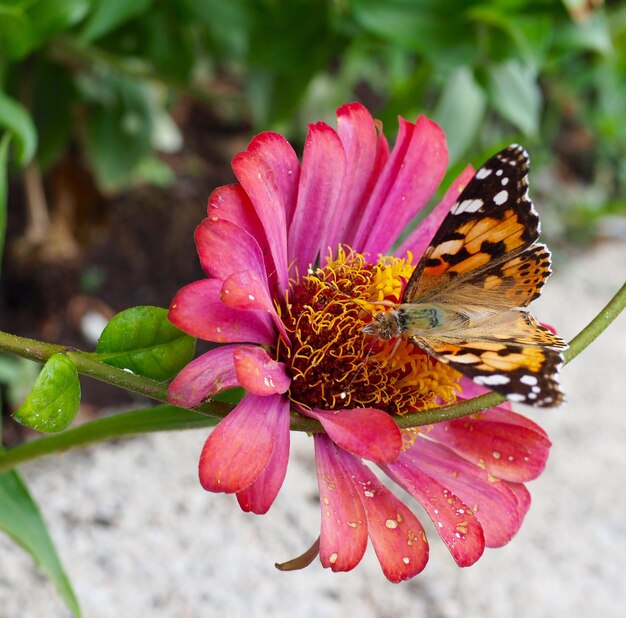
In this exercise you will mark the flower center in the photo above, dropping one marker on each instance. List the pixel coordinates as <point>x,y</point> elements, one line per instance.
<point>333,364</point>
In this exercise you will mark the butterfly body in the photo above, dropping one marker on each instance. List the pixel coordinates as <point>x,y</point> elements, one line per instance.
<point>465,303</point>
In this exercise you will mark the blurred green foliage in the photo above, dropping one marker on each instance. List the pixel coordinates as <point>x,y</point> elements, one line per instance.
<point>105,73</point>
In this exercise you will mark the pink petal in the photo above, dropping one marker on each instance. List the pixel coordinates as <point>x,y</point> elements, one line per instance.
<point>343,536</point>
<point>413,173</point>
<point>366,432</point>
<point>357,132</point>
<point>323,169</point>
<point>240,447</point>
<point>225,248</point>
<point>418,240</point>
<point>459,529</point>
<point>501,413</point>
<point>508,451</point>
<point>258,497</point>
<point>398,537</point>
<point>494,505</point>
<point>258,373</point>
<point>245,291</point>
<point>231,203</point>
<point>269,173</point>
<point>203,377</point>
<point>522,495</point>
<point>504,415</point>
<point>371,212</point>
<point>198,310</point>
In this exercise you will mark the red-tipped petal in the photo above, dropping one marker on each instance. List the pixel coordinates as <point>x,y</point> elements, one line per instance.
<point>398,537</point>
<point>453,519</point>
<point>240,447</point>
<point>323,169</point>
<point>225,248</point>
<point>269,173</point>
<point>344,529</point>
<point>490,500</point>
<point>408,182</point>
<point>259,497</point>
<point>231,203</point>
<point>258,373</point>
<point>357,131</point>
<point>198,310</point>
<point>508,451</point>
<point>246,291</point>
<point>522,495</point>
<point>203,377</point>
<point>366,432</point>
<point>419,239</point>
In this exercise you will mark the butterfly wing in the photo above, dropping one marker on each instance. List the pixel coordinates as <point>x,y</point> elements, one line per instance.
<point>523,373</point>
<point>492,221</point>
<point>483,264</point>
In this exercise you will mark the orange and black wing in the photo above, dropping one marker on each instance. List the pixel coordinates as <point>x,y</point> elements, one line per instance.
<point>492,222</point>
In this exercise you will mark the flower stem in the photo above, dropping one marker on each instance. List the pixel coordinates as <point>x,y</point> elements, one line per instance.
<point>168,418</point>
<point>158,418</point>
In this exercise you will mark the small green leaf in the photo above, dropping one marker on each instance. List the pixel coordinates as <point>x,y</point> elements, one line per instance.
<point>108,15</point>
<point>515,93</point>
<point>144,341</point>
<point>53,401</point>
<point>21,520</point>
<point>4,155</point>
<point>16,119</point>
<point>118,127</point>
<point>460,110</point>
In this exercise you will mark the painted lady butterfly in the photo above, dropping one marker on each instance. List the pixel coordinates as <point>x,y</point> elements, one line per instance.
<point>465,301</point>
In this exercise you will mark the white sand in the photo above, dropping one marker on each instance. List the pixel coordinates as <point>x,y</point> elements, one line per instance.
<point>139,537</point>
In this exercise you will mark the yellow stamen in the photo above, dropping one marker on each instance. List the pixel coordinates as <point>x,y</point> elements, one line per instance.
<point>328,360</point>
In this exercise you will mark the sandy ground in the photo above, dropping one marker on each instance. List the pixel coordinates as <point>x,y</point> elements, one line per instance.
<point>139,537</point>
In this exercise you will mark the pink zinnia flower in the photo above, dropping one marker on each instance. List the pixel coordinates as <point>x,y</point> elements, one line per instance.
<point>292,338</point>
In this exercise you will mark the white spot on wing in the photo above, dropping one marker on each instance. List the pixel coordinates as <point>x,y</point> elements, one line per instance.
<point>483,172</point>
<point>530,380</point>
<point>516,397</point>
<point>500,198</point>
<point>467,206</point>
<point>493,380</point>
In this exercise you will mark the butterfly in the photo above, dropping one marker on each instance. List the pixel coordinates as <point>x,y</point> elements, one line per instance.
<point>465,302</point>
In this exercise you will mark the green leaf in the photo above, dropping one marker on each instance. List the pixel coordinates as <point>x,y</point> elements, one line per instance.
<point>438,29</point>
<point>278,75</point>
<point>118,128</point>
<point>460,110</point>
<point>227,22</point>
<point>108,15</point>
<point>591,34</point>
<point>53,401</point>
<point>4,156</point>
<point>16,119</point>
<point>514,92</point>
<point>144,341</point>
<point>26,25</point>
<point>22,521</point>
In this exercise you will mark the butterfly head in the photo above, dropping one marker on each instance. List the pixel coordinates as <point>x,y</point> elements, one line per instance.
<point>385,325</point>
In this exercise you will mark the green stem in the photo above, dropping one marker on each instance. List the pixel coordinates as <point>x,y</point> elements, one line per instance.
<point>597,326</point>
<point>167,417</point>
<point>158,418</point>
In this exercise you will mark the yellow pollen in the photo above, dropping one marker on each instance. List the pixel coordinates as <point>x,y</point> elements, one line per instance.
<point>333,364</point>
